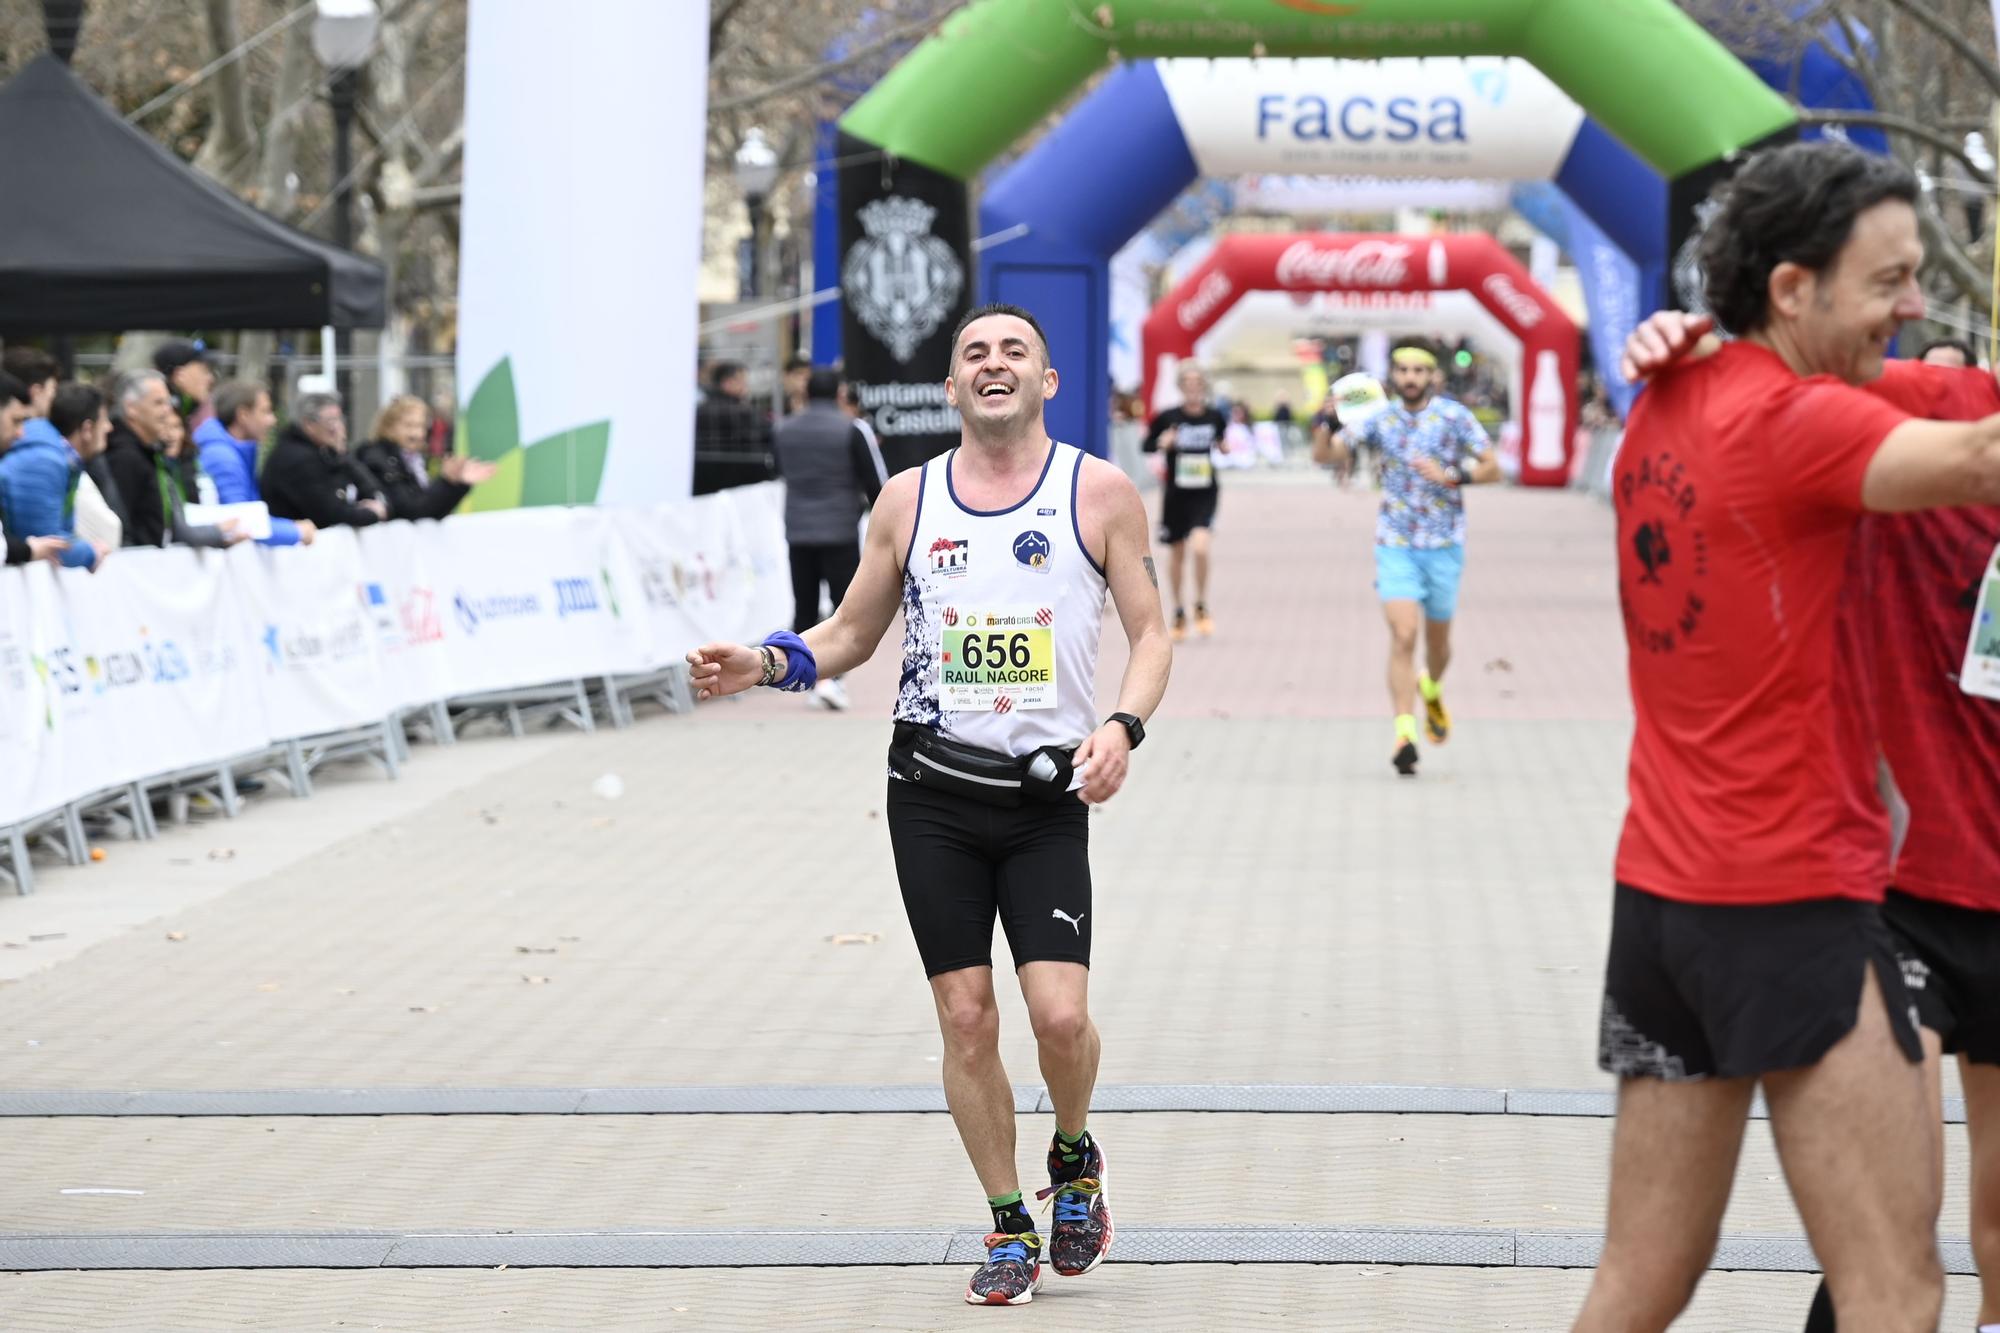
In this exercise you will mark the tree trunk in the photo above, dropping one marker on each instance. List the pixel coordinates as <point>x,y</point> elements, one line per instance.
<point>228,154</point>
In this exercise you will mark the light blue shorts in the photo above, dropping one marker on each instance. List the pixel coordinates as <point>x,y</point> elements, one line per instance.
<point>1405,574</point>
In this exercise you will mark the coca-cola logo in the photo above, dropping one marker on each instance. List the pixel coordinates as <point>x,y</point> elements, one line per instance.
<point>1363,264</point>
<point>1214,289</point>
<point>1525,309</point>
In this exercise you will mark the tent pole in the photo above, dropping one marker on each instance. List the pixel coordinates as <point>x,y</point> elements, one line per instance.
<point>326,345</point>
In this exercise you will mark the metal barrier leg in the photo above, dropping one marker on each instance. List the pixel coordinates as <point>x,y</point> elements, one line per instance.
<point>75,846</point>
<point>142,812</point>
<point>392,733</point>
<point>24,871</point>
<point>441,731</point>
<point>614,705</point>
<point>232,804</point>
<point>514,721</point>
<point>295,768</point>
<point>585,717</point>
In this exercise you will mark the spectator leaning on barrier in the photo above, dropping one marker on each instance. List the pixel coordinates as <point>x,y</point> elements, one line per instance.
<point>394,456</point>
<point>40,475</point>
<point>309,474</point>
<point>190,379</point>
<point>228,443</point>
<point>81,414</point>
<point>153,470</point>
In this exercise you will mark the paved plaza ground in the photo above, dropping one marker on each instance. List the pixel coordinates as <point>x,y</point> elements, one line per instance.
<point>486,1019</point>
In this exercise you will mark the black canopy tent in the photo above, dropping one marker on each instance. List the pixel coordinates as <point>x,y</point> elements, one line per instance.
<point>102,230</point>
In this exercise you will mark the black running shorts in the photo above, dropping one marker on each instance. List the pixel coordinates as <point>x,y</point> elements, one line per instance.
<point>1951,963</point>
<point>1181,512</point>
<point>1697,991</point>
<point>960,862</point>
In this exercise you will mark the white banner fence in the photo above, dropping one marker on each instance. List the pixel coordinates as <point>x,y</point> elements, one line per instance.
<point>164,661</point>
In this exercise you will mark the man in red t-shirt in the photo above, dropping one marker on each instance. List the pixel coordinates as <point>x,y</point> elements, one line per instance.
<point>1747,939</point>
<point>1907,620</point>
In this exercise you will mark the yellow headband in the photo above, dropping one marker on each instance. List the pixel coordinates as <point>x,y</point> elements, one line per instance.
<point>1413,356</point>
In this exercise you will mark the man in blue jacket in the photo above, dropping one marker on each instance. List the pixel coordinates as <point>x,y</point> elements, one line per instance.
<point>39,475</point>
<point>228,442</point>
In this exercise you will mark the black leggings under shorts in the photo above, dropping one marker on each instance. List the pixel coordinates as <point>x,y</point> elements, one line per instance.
<point>960,862</point>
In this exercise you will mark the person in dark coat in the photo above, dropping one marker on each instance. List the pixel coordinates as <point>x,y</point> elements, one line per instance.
<point>310,474</point>
<point>395,457</point>
<point>152,467</point>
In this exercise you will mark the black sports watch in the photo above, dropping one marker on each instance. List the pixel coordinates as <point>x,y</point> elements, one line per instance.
<point>1133,727</point>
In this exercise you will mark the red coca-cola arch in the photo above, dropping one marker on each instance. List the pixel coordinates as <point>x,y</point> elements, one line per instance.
<point>1362,262</point>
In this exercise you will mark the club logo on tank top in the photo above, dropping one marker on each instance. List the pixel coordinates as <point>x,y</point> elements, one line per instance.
<point>1032,551</point>
<point>950,558</point>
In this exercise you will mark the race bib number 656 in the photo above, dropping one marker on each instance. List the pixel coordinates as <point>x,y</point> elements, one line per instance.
<point>998,661</point>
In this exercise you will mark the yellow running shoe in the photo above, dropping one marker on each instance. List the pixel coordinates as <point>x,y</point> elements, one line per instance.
<point>1204,625</point>
<point>1179,630</point>
<point>1437,720</point>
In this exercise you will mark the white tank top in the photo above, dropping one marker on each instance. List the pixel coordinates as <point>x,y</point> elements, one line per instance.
<point>1002,613</point>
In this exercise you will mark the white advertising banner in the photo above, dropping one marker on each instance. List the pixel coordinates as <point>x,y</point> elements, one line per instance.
<point>168,660</point>
<point>1491,118</point>
<point>565,229</point>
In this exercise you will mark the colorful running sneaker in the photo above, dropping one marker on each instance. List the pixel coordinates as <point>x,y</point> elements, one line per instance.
<point>1081,1236</point>
<point>1437,719</point>
<point>1012,1272</point>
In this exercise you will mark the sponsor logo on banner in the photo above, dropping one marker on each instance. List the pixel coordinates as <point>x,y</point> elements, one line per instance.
<point>1308,117</point>
<point>1032,551</point>
<point>1214,290</point>
<point>160,663</point>
<point>901,281</point>
<point>419,614</point>
<point>575,597</point>
<point>1527,311</point>
<point>1370,263</point>
<point>307,647</point>
<point>950,558</point>
<point>473,612</point>
<point>388,625</point>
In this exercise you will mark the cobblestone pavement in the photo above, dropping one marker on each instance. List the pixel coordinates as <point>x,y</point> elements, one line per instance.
<point>1274,907</point>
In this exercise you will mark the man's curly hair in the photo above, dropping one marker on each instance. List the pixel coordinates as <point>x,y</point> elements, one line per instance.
<point>1795,204</point>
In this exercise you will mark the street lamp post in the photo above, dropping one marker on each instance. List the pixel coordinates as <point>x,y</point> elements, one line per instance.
<point>756,173</point>
<point>343,34</point>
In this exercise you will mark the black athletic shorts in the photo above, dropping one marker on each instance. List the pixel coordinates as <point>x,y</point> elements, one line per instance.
<point>1951,963</point>
<point>961,861</point>
<point>1181,512</point>
<point>1698,991</point>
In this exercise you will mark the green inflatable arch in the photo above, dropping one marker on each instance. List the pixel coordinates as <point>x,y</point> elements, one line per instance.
<point>906,151</point>
<point>1646,71</point>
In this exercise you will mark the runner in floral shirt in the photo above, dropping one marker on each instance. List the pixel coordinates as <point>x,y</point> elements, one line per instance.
<point>1430,449</point>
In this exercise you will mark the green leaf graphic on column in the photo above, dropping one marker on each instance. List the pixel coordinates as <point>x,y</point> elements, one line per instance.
<point>564,469</point>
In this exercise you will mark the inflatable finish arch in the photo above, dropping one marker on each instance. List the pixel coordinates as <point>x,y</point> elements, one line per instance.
<point>1642,69</point>
<point>1247,262</point>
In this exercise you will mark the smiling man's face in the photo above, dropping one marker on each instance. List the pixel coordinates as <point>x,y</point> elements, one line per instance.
<point>1000,375</point>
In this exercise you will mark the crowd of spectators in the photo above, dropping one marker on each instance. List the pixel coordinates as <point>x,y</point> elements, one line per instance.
<point>86,469</point>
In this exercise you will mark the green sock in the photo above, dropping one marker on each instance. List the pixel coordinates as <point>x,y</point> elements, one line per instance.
<point>1010,1214</point>
<point>1406,726</point>
<point>1072,1140</point>
<point>1429,688</point>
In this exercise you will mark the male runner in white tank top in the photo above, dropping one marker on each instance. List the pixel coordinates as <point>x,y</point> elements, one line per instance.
<point>999,555</point>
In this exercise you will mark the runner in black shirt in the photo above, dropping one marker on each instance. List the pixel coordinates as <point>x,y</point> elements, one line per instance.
<point>1190,436</point>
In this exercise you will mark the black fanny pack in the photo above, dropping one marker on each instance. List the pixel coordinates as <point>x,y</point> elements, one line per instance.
<point>920,754</point>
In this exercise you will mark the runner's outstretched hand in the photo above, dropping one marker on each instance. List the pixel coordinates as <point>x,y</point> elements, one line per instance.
<point>1662,339</point>
<point>1102,762</point>
<point>721,669</point>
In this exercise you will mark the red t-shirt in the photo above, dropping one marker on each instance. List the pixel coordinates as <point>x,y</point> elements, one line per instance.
<point>1915,581</point>
<point>1738,488</point>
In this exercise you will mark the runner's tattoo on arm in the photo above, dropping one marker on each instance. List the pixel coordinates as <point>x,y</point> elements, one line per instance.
<point>1151,573</point>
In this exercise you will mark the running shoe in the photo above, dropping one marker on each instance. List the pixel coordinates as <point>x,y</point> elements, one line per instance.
<point>1180,625</point>
<point>1437,720</point>
<point>1081,1236</point>
<point>1203,625</point>
<point>1405,758</point>
<point>1012,1272</point>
